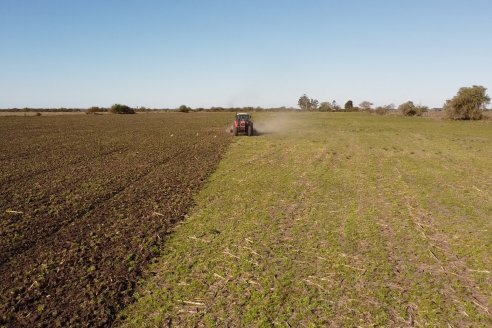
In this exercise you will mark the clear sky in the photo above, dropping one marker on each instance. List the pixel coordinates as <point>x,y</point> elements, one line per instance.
<point>81,53</point>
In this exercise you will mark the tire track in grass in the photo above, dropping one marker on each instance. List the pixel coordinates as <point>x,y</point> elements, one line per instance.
<point>271,267</point>
<point>454,298</point>
<point>361,250</point>
<point>458,286</point>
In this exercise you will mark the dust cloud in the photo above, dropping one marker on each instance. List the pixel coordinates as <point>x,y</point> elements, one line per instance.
<point>270,123</point>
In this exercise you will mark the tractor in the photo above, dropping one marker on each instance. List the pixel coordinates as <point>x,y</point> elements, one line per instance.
<point>243,124</point>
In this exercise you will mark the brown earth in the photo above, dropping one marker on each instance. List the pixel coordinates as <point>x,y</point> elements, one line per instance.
<point>86,203</point>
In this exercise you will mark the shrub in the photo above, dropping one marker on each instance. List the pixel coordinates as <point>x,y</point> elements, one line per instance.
<point>421,109</point>
<point>38,114</point>
<point>94,110</point>
<point>468,104</point>
<point>366,106</point>
<point>409,109</point>
<point>325,106</point>
<point>184,109</point>
<point>121,109</point>
<point>381,110</point>
<point>384,110</point>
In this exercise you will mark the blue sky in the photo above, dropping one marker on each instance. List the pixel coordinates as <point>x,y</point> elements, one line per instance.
<point>69,53</point>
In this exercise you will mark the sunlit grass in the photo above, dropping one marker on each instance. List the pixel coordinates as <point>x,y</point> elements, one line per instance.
<point>335,219</point>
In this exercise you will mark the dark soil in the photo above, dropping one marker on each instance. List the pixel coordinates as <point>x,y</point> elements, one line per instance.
<point>86,203</point>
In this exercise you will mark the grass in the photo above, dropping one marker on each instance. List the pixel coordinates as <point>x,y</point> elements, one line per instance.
<point>335,220</point>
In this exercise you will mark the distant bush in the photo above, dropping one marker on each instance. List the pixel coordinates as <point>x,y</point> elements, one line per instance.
<point>41,110</point>
<point>38,114</point>
<point>384,110</point>
<point>184,109</point>
<point>325,106</point>
<point>422,109</point>
<point>121,109</point>
<point>409,109</point>
<point>381,110</point>
<point>468,104</point>
<point>94,110</point>
<point>366,106</point>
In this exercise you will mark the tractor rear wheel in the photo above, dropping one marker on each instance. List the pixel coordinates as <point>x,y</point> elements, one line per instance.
<point>234,131</point>
<point>250,130</point>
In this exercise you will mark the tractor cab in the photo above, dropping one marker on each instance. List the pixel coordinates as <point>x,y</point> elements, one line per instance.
<point>243,117</point>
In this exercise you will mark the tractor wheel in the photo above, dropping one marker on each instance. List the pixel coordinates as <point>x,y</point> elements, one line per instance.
<point>234,131</point>
<point>250,130</point>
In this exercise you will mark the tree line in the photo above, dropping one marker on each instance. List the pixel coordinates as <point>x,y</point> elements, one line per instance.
<point>468,104</point>
<point>182,108</point>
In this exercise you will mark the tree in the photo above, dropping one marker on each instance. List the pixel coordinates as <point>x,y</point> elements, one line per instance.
<point>307,104</point>
<point>468,104</point>
<point>335,106</point>
<point>366,105</point>
<point>313,104</point>
<point>349,106</point>
<point>303,102</point>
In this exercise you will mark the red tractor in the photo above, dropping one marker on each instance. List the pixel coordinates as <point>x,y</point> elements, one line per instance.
<point>243,124</point>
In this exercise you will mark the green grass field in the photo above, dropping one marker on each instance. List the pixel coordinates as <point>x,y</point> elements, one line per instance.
<point>334,219</point>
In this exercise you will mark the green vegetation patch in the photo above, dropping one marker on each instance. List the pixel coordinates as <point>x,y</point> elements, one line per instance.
<point>334,219</point>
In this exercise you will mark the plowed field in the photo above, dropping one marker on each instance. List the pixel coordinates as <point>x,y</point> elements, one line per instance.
<point>85,203</point>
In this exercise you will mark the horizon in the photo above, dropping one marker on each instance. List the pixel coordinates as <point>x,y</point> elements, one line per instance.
<point>241,54</point>
<point>213,108</point>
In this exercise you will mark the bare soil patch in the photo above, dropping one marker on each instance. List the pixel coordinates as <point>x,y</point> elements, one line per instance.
<point>86,203</point>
